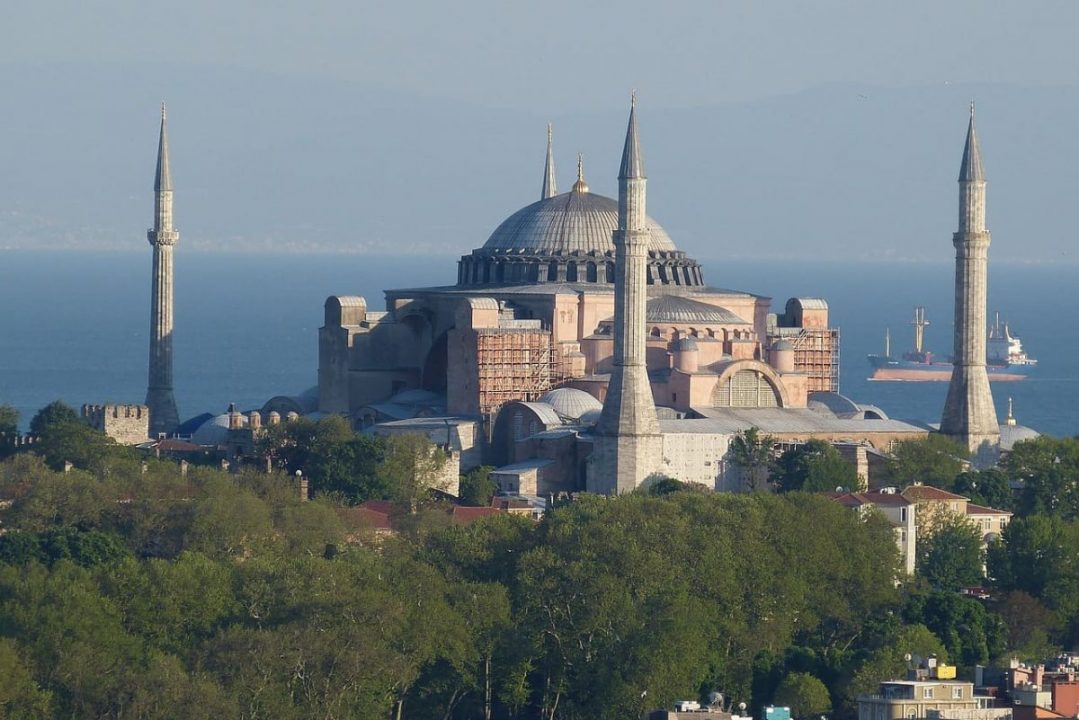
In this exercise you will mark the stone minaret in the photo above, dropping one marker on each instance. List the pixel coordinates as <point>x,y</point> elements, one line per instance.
<point>159,397</point>
<point>550,187</point>
<point>969,416</point>
<point>628,446</point>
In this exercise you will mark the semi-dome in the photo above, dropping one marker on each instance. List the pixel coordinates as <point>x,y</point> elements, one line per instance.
<point>571,403</point>
<point>577,221</point>
<point>678,309</point>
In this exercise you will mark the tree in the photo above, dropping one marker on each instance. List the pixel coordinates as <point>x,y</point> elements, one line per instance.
<point>815,466</point>
<point>412,468</point>
<point>951,557</point>
<point>889,661</point>
<point>9,420</point>
<point>1040,556</point>
<point>333,458</point>
<point>1049,469</point>
<point>935,461</point>
<point>990,488</point>
<point>804,694</point>
<point>970,633</point>
<point>20,696</point>
<point>752,453</point>
<point>477,487</point>
<point>1032,626</point>
<point>55,413</point>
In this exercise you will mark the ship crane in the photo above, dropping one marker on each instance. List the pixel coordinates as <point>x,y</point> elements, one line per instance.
<point>920,323</point>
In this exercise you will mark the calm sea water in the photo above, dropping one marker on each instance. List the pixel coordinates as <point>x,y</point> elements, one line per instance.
<point>74,326</point>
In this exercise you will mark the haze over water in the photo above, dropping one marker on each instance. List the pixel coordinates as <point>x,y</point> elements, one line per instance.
<point>75,324</point>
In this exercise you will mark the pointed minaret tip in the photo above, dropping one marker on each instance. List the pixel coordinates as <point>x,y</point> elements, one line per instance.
<point>163,175</point>
<point>971,170</point>
<point>550,186</point>
<point>632,163</point>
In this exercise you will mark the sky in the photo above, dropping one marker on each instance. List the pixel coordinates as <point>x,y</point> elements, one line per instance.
<point>821,129</point>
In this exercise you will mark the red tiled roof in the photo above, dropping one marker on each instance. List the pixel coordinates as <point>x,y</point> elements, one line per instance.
<point>510,504</point>
<point>382,506</point>
<point>973,509</point>
<point>176,445</point>
<point>465,515</point>
<point>365,517</point>
<point>928,492</point>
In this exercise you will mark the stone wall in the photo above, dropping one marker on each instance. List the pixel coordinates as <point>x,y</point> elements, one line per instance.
<point>126,424</point>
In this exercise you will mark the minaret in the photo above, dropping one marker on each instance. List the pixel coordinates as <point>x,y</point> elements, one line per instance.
<point>628,445</point>
<point>969,416</point>
<point>550,187</point>
<point>159,397</point>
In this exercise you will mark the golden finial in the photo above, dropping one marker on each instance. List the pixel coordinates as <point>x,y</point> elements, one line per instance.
<point>580,186</point>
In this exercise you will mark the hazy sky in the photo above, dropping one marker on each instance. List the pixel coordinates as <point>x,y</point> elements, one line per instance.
<point>330,119</point>
<point>570,54</point>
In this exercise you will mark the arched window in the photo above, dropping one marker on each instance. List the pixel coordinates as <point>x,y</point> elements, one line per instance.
<point>518,425</point>
<point>745,388</point>
<point>592,273</point>
<point>571,272</point>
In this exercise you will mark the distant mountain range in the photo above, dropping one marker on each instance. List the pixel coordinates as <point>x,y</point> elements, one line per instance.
<point>273,163</point>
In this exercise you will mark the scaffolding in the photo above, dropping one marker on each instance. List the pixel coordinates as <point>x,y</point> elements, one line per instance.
<point>513,364</point>
<point>816,353</point>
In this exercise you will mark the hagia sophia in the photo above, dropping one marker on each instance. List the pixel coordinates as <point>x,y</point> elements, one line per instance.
<point>580,349</point>
<point>517,364</point>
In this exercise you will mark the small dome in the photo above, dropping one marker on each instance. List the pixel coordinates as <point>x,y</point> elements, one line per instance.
<point>685,344</point>
<point>571,403</point>
<point>571,222</point>
<point>1011,434</point>
<point>214,431</point>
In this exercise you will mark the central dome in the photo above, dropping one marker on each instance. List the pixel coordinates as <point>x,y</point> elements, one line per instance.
<point>573,222</point>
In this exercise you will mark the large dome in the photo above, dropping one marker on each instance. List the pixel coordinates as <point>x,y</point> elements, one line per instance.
<point>571,222</point>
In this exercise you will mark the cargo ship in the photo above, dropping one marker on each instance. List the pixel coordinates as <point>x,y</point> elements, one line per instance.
<point>1005,359</point>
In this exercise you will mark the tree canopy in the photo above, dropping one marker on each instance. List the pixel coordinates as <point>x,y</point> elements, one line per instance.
<point>815,466</point>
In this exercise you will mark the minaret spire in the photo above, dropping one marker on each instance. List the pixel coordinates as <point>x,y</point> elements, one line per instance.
<point>971,169</point>
<point>969,415</point>
<point>163,176</point>
<point>159,394</point>
<point>628,446</point>
<point>550,186</point>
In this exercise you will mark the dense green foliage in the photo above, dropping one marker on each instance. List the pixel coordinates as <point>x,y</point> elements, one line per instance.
<point>935,461</point>
<point>9,421</point>
<point>951,557</point>
<point>815,466</point>
<point>752,452</point>
<point>129,589</point>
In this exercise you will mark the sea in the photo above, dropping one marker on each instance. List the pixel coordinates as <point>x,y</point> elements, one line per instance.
<point>74,325</point>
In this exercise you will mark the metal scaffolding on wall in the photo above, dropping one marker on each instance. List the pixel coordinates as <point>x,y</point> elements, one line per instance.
<point>513,365</point>
<point>816,353</point>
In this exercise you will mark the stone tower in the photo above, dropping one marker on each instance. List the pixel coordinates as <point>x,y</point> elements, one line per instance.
<point>628,446</point>
<point>159,397</point>
<point>969,416</point>
<point>550,187</point>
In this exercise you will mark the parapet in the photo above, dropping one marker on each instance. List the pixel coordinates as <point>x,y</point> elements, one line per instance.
<point>126,424</point>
